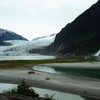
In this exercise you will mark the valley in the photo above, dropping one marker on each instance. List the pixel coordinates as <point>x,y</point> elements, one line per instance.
<point>67,62</point>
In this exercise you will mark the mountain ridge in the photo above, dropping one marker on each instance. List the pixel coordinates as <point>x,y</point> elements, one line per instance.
<point>80,37</point>
<point>9,35</point>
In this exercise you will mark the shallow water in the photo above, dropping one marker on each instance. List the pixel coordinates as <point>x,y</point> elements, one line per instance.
<point>34,57</point>
<point>93,73</point>
<point>42,92</point>
<point>45,69</point>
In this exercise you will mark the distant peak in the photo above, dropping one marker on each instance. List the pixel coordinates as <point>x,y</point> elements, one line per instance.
<point>9,35</point>
<point>52,34</point>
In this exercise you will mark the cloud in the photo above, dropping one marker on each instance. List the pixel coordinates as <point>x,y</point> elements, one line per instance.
<point>57,4</point>
<point>40,16</point>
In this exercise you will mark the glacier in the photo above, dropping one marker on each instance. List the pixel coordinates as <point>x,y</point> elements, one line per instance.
<point>22,47</point>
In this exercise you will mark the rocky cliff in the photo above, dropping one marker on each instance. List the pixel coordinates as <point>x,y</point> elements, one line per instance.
<point>82,36</point>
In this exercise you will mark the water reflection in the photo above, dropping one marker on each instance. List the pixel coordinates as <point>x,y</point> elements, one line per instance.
<point>93,73</point>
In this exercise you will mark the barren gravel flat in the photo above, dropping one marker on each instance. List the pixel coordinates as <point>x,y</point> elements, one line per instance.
<point>82,86</point>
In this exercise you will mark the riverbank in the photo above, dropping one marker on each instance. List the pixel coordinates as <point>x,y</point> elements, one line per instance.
<point>83,86</point>
<point>83,65</point>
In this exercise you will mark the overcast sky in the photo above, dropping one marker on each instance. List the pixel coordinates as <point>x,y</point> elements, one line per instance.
<point>33,18</point>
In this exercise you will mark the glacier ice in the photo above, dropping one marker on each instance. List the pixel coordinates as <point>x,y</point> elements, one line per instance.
<point>21,48</point>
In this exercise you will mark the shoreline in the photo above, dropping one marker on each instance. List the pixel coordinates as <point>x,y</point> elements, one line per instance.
<point>85,87</point>
<point>83,65</point>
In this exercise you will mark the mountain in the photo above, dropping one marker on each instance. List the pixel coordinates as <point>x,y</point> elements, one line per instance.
<point>44,37</point>
<point>80,37</point>
<point>9,35</point>
<point>43,42</point>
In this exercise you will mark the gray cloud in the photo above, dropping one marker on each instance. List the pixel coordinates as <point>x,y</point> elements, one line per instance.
<point>40,17</point>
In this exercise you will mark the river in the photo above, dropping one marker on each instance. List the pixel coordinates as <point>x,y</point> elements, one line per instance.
<point>33,57</point>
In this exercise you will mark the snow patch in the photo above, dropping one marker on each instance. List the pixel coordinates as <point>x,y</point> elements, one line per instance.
<point>97,54</point>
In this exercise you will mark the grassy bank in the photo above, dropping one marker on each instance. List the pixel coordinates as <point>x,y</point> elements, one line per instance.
<point>20,63</point>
